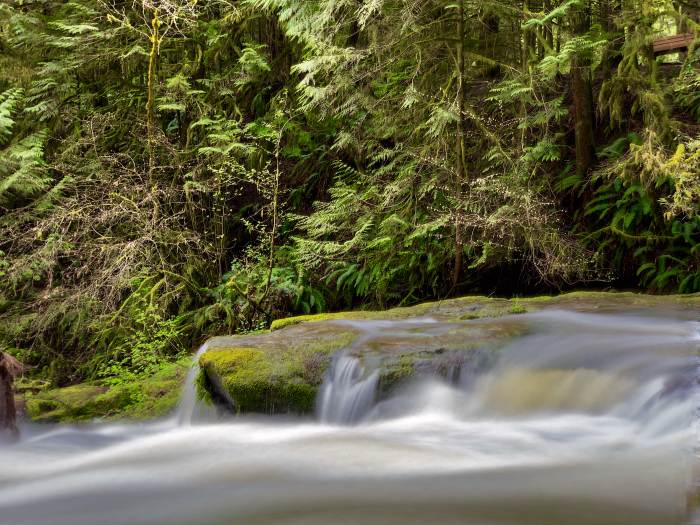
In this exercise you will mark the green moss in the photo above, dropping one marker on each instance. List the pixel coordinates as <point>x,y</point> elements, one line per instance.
<point>517,308</point>
<point>630,297</point>
<point>28,386</point>
<point>480,307</point>
<point>397,373</point>
<point>254,384</point>
<point>496,308</point>
<point>147,398</point>
<point>579,295</point>
<point>157,395</point>
<point>245,373</point>
<point>78,402</point>
<point>394,313</point>
<point>278,376</point>
<point>492,311</point>
<point>278,324</point>
<point>204,388</point>
<point>280,371</point>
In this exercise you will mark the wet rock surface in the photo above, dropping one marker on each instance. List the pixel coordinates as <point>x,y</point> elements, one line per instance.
<point>281,371</point>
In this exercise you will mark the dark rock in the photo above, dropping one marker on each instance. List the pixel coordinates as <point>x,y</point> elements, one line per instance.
<point>9,368</point>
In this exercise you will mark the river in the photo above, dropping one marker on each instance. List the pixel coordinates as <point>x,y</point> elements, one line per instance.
<point>584,419</point>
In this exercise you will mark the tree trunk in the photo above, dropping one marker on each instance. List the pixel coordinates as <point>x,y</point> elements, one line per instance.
<point>548,30</point>
<point>461,157</point>
<point>582,93</point>
<point>150,101</point>
<point>529,40</point>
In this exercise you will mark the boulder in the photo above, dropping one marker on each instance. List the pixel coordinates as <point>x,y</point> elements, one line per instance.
<point>9,369</point>
<point>281,370</point>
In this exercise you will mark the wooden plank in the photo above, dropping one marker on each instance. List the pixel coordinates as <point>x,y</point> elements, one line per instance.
<point>671,44</point>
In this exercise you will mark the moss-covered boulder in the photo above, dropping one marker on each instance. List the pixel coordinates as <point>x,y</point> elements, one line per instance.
<point>281,371</point>
<point>142,399</point>
<point>273,373</point>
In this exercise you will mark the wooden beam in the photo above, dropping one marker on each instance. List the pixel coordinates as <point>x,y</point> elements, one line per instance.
<point>673,44</point>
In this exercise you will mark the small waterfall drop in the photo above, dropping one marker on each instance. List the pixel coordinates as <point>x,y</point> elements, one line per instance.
<point>190,406</point>
<point>348,392</point>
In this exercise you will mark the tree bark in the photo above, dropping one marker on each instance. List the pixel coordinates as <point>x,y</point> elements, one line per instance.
<point>150,101</point>
<point>582,93</point>
<point>529,40</point>
<point>461,157</point>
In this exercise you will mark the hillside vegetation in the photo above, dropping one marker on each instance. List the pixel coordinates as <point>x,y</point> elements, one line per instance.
<point>173,169</point>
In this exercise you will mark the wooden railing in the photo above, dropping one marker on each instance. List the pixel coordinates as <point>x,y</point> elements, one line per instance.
<point>672,44</point>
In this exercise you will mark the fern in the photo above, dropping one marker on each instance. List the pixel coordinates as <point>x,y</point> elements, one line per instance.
<point>23,173</point>
<point>10,101</point>
<point>686,92</point>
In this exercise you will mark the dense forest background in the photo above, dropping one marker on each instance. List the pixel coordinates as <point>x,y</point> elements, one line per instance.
<point>171,169</point>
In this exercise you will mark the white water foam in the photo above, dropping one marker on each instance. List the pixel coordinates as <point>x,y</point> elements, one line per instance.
<point>571,425</point>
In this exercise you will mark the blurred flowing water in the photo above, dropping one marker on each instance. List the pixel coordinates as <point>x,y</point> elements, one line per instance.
<point>584,420</point>
<point>348,392</point>
<point>190,409</point>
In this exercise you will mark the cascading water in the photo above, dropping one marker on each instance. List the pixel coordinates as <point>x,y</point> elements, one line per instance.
<point>349,389</point>
<point>190,407</point>
<point>582,420</point>
<point>348,392</point>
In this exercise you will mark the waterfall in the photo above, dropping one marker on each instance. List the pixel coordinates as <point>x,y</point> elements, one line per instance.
<point>348,391</point>
<point>190,406</point>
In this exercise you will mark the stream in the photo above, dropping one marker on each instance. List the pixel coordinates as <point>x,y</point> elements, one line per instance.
<point>584,419</point>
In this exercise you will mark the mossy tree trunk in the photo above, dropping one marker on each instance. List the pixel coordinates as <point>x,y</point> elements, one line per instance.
<point>150,102</point>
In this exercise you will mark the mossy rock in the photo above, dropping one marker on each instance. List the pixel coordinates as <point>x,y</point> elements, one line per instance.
<point>146,398</point>
<point>270,373</point>
<point>281,371</point>
<point>480,307</point>
<point>23,386</point>
<point>278,324</point>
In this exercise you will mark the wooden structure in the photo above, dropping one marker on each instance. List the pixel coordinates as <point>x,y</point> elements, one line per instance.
<point>673,44</point>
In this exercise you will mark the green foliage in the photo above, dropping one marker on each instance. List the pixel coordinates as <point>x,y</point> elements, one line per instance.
<point>154,341</point>
<point>686,92</point>
<point>23,172</point>
<point>646,210</point>
<point>588,46</point>
<point>209,167</point>
<point>9,103</point>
